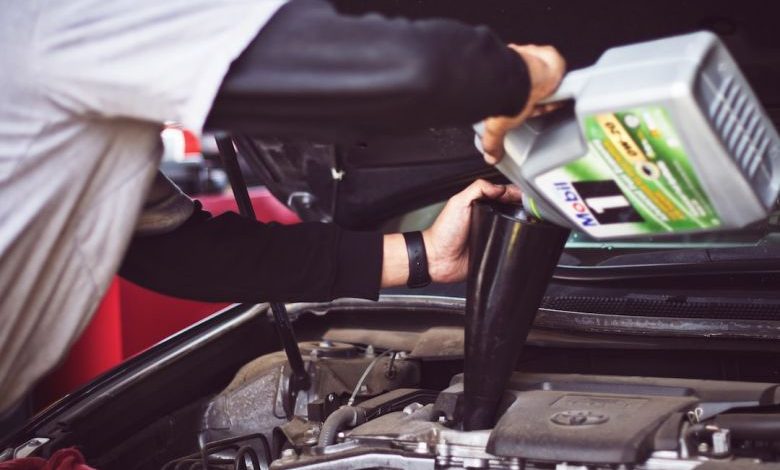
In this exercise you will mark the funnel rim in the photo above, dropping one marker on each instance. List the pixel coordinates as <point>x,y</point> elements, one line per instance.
<point>513,212</point>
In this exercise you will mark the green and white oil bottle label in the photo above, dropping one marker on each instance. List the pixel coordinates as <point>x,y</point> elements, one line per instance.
<point>636,179</point>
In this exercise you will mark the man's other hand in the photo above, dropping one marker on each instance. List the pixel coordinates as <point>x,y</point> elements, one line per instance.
<point>545,69</point>
<point>446,241</point>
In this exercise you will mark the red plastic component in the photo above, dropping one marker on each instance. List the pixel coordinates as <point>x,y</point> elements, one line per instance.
<point>191,143</point>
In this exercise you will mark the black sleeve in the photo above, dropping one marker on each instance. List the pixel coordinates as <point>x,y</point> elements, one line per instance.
<point>311,67</point>
<point>229,258</point>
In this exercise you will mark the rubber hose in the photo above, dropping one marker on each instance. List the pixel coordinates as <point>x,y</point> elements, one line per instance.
<point>338,420</point>
<point>751,425</point>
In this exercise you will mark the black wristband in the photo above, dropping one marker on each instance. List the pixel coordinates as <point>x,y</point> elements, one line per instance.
<point>418,260</point>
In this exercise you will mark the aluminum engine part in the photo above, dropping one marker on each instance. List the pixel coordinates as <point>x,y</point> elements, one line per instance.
<point>252,403</point>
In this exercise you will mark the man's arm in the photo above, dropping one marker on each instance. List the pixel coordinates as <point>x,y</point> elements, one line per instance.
<point>312,68</point>
<point>233,259</point>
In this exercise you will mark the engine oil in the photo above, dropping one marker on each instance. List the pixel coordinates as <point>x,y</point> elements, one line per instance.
<point>664,137</point>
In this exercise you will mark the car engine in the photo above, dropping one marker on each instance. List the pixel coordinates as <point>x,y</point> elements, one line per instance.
<point>355,401</point>
<point>365,409</point>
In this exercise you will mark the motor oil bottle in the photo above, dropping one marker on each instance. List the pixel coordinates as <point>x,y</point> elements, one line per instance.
<point>664,137</point>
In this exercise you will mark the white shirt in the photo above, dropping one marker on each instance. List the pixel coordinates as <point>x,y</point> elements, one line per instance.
<point>85,86</point>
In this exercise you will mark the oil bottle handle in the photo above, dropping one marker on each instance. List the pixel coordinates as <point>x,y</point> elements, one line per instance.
<point>571,85</point>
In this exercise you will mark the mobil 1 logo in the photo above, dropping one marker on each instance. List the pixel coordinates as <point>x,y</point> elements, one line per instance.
<point>598,202</point>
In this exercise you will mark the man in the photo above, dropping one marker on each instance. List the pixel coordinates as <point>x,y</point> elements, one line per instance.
<point>87,84</point>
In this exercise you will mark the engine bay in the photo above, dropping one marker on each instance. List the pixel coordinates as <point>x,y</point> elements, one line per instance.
<point>365,409</point>
<point>346,402</point>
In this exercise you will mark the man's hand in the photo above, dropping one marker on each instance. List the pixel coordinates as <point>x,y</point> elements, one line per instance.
<point>446,241</point>
<point>545,69</point>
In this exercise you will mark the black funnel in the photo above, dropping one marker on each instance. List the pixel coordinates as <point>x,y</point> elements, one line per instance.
<point>512,257</point>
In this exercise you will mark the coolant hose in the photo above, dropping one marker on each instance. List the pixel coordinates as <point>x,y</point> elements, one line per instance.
<point>345,416</point>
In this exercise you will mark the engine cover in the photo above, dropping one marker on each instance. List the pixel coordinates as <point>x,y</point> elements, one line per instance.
<point>557,421</point>
<point>584,427</point>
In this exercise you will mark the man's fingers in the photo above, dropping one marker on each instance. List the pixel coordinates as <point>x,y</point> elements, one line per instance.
<point>512,194</point>
<point>542,109</point>
<point>484,189</point>
<point>493,141</point>
<point>490,159</point>
<point>493,137</point>
<point>494,149</point>
<point>481,189</point>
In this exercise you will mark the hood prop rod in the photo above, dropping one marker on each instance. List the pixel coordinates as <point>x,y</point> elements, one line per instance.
<point>299,379</point>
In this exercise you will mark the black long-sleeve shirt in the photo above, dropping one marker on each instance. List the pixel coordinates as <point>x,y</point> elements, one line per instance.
<point>232,258</point>
<point>313,70</point>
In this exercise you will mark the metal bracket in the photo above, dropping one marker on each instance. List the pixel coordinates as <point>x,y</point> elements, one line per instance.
<point>29,447</point>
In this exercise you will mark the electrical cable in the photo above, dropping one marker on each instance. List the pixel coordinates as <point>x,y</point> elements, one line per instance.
<point>363,377</point>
